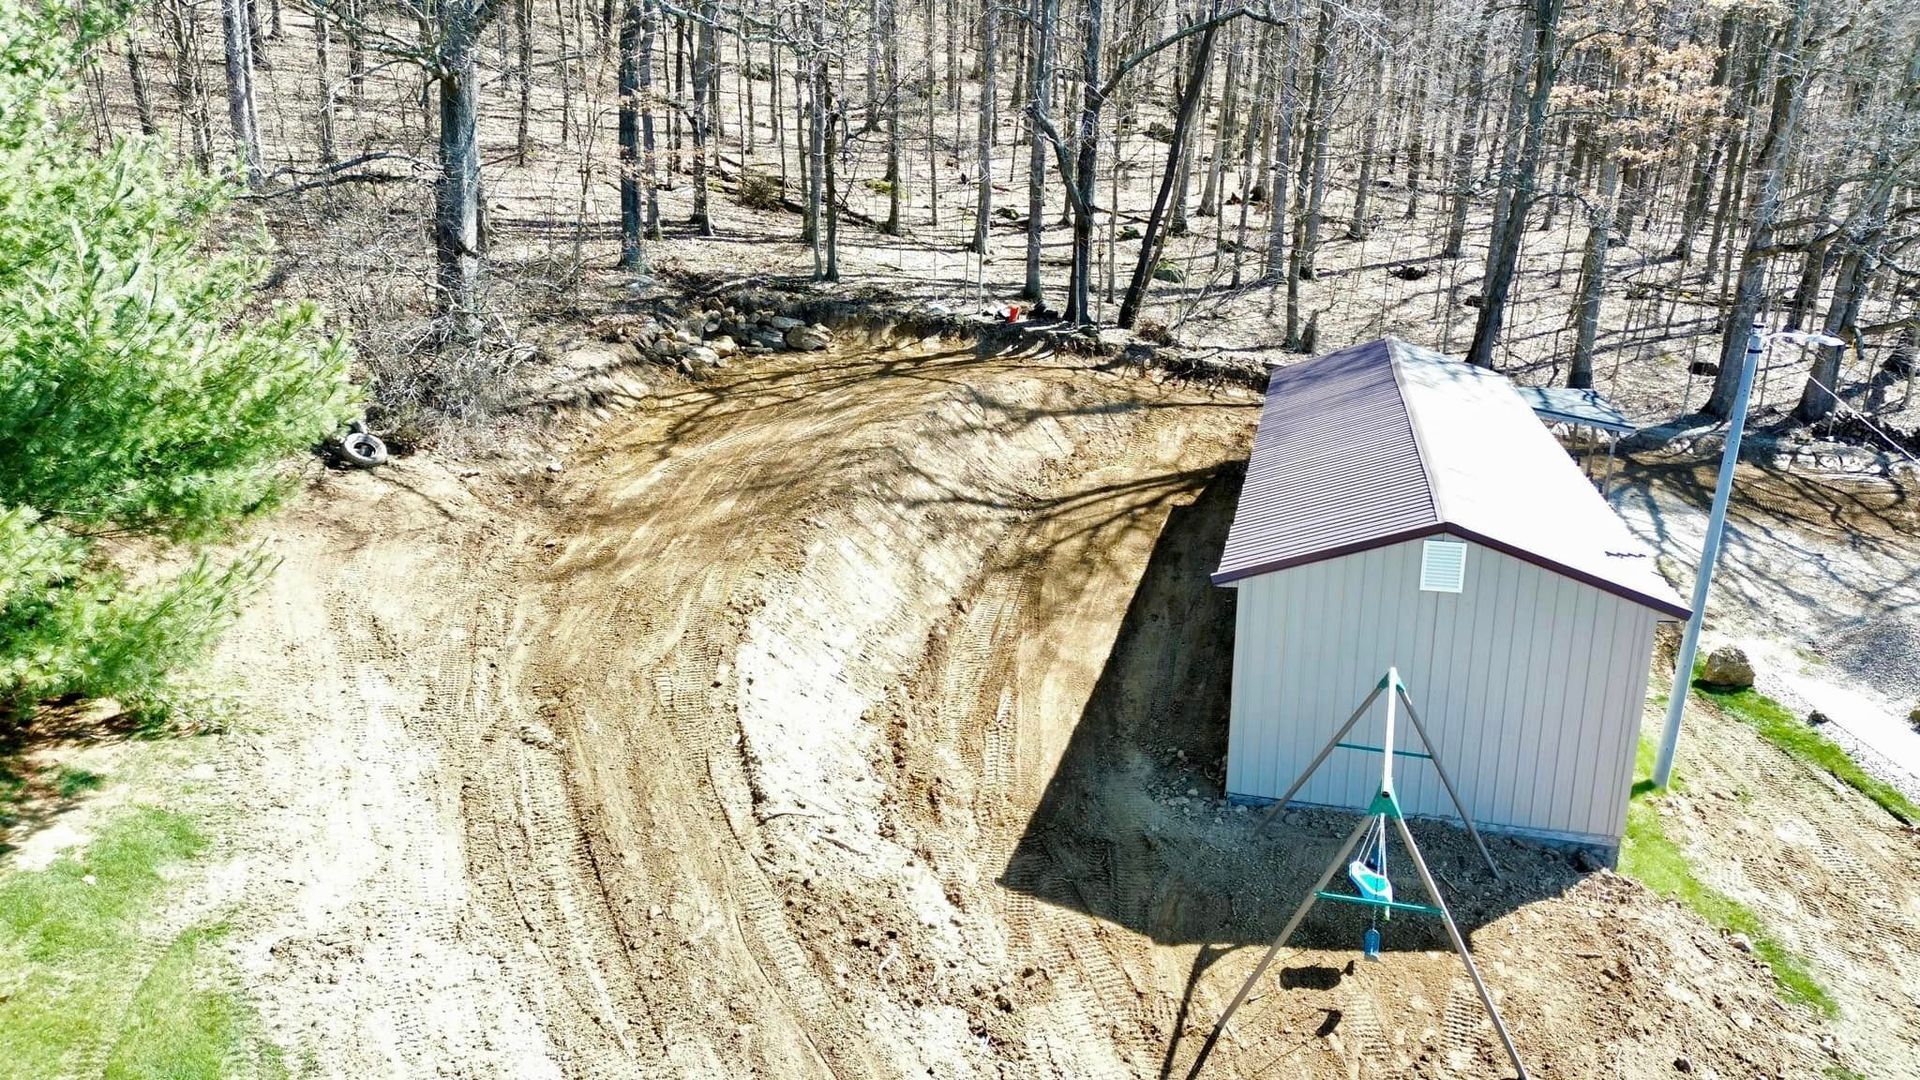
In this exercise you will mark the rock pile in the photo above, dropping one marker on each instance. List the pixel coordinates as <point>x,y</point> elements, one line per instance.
<point>707,337</point>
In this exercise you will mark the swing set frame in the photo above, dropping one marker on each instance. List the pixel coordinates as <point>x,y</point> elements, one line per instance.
<point>1384,807</point>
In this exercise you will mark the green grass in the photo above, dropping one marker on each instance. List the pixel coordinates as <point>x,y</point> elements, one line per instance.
<point>1802,742</point>
<point>77,986</point>
<point>13,791</point>
<point>1649,857</point>
<point>69,781</point>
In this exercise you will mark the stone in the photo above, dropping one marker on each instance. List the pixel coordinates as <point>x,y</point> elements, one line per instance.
<point>594,356</point>
<point>701,356</point>
<point>768,339</point>
<point>808,338</point>
<point>1727,668</point>
<point>783,323</point>
<point>1742,942</point>
<point>723,346</point>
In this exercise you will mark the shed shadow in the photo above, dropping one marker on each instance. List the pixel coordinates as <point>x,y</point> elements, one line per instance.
<point>1116,836</point>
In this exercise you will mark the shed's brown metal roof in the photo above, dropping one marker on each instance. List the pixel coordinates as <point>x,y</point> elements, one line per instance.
<point>1385,442</point>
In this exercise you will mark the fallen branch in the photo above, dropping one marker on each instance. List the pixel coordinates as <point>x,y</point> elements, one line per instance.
<point>338,174</point>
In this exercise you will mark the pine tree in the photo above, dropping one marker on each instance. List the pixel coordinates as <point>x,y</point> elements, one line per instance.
<point>141,389</point>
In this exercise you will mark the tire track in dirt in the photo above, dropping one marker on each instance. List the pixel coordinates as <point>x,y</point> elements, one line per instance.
<point>757,488</point>
<point>833,719</point>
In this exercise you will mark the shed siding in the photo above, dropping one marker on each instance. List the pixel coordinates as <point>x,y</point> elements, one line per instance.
<point>1530,684</point>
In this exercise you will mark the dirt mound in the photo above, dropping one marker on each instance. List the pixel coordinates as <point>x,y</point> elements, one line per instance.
<point>855,716</point>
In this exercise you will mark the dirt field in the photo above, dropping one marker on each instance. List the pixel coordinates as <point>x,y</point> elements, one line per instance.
<point>860,715</point>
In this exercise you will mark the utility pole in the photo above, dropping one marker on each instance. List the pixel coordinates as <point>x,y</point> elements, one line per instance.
<point>1709,554</point>
<point>1757,342</point>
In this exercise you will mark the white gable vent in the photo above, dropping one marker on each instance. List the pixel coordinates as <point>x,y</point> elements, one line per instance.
<point>1443,566</point>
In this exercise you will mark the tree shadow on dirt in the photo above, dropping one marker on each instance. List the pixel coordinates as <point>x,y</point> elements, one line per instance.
<point>37,785</point>
<point>1793,517</point>
<point>1131,829</point>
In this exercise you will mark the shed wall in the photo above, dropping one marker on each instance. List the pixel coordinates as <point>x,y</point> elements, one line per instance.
<point>1531,685</point>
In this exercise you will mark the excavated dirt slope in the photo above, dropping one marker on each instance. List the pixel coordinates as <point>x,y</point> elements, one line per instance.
<point>855,716</point>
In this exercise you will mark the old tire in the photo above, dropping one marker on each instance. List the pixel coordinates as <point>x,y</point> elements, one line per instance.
<point>363,450</point>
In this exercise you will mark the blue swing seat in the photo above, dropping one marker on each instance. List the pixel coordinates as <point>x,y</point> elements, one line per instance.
<point>1372,884</point>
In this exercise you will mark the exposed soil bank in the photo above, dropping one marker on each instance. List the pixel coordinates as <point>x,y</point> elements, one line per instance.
<point>855,716</point>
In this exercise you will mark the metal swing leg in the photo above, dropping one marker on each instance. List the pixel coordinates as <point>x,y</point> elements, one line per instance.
<point>1447,781</point>
<point>1301,781</point>
<point>1299,914</point>
<point>1460,946</point>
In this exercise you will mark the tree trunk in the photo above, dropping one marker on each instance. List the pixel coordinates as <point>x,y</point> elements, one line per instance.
<point>633,254</point>
<point>1707,149</point>
<point>1593,273</point>
<point>1282,173</point>
<point>743,84</point>
<point>322,34</point>
<point>137,79</point>
<point>1507,149</point>
<point>240,104</point>
<point>1042,13</point>
<point>356,52</point>
<point>1313,158</point>
<point>523,19</point>
<point>1417,121</point>
<point>830,162</point>
<point>699,118</point>
<point>870,113</point>
<point>1083,179</point>
<point>895,181</point>
<point>1150,241</point>
<point>183,28</point>
<point>1864,235</point>
<point>1775,152</point>
<point>1226,131</point>
<point>649,158</point>
<point>1466,145</point>
<point>456,217</point>
<point>953,60</point>
<point>256,33</point>
<point>1359,227</point>
<point>817,141</point>
<point>983,206</point>
<point>1813,267</point>
<point>1493,303</point>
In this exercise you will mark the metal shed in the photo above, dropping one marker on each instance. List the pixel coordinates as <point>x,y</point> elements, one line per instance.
<point>1403,509</point>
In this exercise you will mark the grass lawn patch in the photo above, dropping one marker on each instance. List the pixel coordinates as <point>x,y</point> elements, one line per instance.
<point>84,989</point>
<point>1801,741</point>
<point>1649,857</point>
